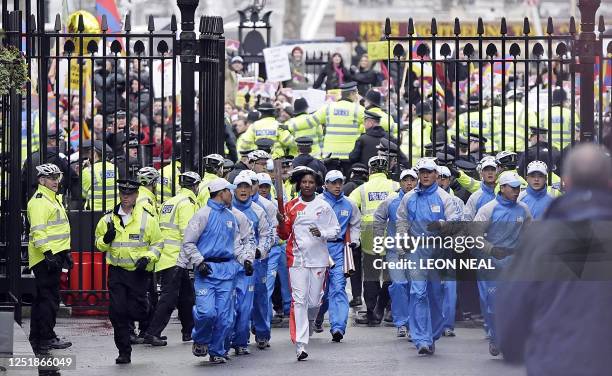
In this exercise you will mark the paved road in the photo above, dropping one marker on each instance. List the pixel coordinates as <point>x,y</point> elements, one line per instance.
<point>365,351</point>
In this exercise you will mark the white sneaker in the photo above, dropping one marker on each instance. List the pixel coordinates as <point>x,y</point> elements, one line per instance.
<point>301,351</point>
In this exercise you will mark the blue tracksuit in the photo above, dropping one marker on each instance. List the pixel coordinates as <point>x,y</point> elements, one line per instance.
<point>212,230</point>
<point>335,298</point>
<point>502,223</point>
<point>385,218</point>
<point>537,201</point>
<point>244,285</point>
<point>416,210</point>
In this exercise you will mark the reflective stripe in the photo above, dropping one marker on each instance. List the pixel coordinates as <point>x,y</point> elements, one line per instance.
<point>177,243</point>
<point>363,197</point>
<point>169,225</point>
<point>49,238</point>
<point>340,154</point>
<point>118,260</point>
<point>327,115</point>
<point>155,251</point>
<point>349,126</point>
<point>143,224</point>
<point>336,133</point>
<point>49,224</point>
<point>355,116</point>
<point>128,244</point>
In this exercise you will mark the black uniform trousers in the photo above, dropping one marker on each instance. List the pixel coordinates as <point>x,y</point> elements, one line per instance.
<point>143,325</point>
<point>128,303</point>
<point>46,302</point>
<point>176,292</point>
<point>375,296</point>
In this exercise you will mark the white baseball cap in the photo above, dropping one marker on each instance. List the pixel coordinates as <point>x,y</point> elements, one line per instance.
<point>264,178</point>
<point>220,184</point>
<point>510,178</point>
<point>334,175</point>
<point>242,179</point>
<point>444,171</point>
<point>488,161</point>
<point>537,166</point>
<point>426,164</point>
<point>408,172</point>
<point>249,174</point>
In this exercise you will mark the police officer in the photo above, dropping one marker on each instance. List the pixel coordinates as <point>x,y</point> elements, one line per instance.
<point>211,243</point>
<point>305,158</point>
<point>423,211</point>
<point>213,169</point>
<point>418,134</point>
<point>373,102</point>
<point>48,253</point>
<point>245,282</point>
<point>368,197</point>
<point>349,218</point>
<point>98,179</point>
<point>268,127</point>
<point>470,122</point>
<point>343,123</point>
<point>132,240</point>
<point>385,222</point>
<point>561,117</point>
<point>176,287</point>
<point>365,145</point>
<point>242,164</point>
<point>303,124</point>
<point>539,149</point>
<point>169,176</point>
<point>148,178</point>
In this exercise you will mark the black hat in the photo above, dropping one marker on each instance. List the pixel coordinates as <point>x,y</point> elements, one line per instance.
<point>371,115</point>
<point>475,137</point>
<point>348,86</point>
<point>133,140</point>
<point>253,116</point>
<point>374,97</point>
<point>465,165</point>
<point>266,108</point>
<point>246,152</point>
<point>99,145</point>
<point>388,147</point>
<point>461,141</point>
<point>121,114</point>
<point>445,158</point>
<point>287,160</point>
<point>474,100</point>
<point>359,167</point>
<point>304,141</point>
<point>537,130</point>
<point>558,96</point>
<point>264,144</point>
<point>439,146</point>
<point>422,109</point>
<point>127,186</point>
<point>300,106</point>
<point>86,144</point>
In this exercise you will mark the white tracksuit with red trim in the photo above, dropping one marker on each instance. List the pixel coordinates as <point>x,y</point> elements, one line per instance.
<point>307,259</point>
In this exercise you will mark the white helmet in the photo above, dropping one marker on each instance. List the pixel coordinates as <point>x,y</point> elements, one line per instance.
<point>537,166</point>
<point>507,159</point>
<point>189,178</point>
<point>378,162</point>
<point>257,155</point>
<point>215,160</point>
<point>147,176</point>
<point>48,169</point>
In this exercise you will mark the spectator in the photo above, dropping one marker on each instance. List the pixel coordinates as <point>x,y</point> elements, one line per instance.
<point>239,126</point>
<point>109,85</point>
<point>334,74</point>
<point>232,73</point>
<point>553,305</point>
<point>139,95</point>
<point>98,127</point>
<point>365,76</point>
<point>297,65</point>
<point>160,145</point>
<point>140,125</point>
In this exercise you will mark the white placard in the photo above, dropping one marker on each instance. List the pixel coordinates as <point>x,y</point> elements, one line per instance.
<point>277,64</point>
<point>314,97</point>
<point>167,77</point>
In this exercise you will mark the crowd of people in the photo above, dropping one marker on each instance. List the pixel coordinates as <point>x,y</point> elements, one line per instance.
<point>272,229</point>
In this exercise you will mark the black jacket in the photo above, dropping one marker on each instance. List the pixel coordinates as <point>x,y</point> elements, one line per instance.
<point>365,146</point>
<point>230,142</point>
<point>365,78</point>
<point>107,87</point>
<point>55,157</point>
<point>350,186</point>
<point>238,167</point>
<point>553,306</point>
<point>309,161</point>
<point>540,151</point>
<point>331,78</point>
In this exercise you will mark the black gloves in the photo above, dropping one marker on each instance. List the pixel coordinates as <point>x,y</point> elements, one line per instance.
<point>141,264</point>
<point>204,269</point>
<point>110,234</point>
<point>434,226</point>
<point>500,252</point>
<point>283,127</point>
<point>68,262</point>
<point>353,245</point>
<point>54,262</point>
<point>453,170</point>
<point>257,254</point>
<point>248,268</point>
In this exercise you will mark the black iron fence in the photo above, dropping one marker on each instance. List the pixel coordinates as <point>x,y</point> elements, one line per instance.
<point>466,96</point>
<point>100,105</point>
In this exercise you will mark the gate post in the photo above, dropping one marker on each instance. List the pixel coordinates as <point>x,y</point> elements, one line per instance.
<point>188,58</point>
<point>587,48</point>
